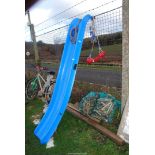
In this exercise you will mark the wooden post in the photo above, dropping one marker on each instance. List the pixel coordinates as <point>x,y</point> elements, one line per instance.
<point>32,31</point>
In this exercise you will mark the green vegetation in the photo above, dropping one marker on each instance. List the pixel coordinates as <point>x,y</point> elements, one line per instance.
<point>81,89</point>
<point>72,136</point>
<point>97,67</point>
<point>111,50</point>
<point>106,40</point>
<point>101,67</point>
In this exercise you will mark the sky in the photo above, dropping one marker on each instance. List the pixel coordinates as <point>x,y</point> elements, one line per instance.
<point>45,9</point>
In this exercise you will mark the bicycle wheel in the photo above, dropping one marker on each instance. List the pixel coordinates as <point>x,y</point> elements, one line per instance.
<point>32,89</point>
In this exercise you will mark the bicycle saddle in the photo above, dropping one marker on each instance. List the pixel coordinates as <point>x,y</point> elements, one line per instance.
<point>51,72</point>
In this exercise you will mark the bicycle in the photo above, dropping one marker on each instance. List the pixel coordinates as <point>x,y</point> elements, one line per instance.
<point>40,87</point>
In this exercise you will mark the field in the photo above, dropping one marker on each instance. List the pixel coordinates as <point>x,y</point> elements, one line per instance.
<point>111,50</point>
<point>113,56</point>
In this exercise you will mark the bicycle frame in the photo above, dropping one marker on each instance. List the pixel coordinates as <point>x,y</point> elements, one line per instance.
<point>37,78</point>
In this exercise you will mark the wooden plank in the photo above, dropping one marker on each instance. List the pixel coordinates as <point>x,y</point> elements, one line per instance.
<point>97,126</point>
<point>74,108</point>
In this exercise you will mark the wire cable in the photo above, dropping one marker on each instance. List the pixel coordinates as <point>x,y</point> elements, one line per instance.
<point>76,15</point>
<point>71,18</point>
<point>61,12</point>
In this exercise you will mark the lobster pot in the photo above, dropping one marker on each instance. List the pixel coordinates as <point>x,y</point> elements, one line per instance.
<point>99,105</point>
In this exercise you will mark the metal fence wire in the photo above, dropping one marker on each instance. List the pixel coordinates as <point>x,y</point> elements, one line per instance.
<point>107,72</point>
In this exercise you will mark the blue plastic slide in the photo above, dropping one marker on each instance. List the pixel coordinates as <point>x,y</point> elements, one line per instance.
<point>65,80</point>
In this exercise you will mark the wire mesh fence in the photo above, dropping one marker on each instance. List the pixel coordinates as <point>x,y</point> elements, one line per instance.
<point>107,72</point>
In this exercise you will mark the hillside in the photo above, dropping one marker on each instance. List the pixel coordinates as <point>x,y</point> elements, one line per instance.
<point>111,43</point>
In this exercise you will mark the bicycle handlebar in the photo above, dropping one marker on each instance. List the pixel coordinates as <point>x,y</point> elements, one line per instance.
<point>40,68</point>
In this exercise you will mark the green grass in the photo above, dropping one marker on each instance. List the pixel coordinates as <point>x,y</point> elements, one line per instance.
<point>100,67</point>
<point>72,136</point>
<point>97,67</point>
<point>112,50</point>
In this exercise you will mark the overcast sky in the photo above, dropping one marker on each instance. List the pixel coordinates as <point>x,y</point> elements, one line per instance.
<point>45,9</point>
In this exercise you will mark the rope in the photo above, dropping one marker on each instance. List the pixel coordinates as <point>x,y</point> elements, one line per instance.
<point>90,54</point>
<point>94,38</point>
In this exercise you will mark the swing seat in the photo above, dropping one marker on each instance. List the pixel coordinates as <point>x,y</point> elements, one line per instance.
<point>96,59</point>
<point>89,60</point>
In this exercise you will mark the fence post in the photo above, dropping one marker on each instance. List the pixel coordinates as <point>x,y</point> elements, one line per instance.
<point>125,53</point>
<point>32,32</point>
<point>123,130</point>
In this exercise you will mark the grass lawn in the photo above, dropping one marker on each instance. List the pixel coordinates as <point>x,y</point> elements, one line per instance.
<point>72,136</point>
